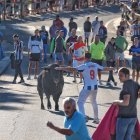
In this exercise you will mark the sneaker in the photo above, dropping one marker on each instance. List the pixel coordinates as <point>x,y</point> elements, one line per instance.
<point>100,83</point>
<point>116,71</point>
<point>68,74</point>
<point>29,78</point>
<point>74,81</point>
<point>108,84</point>
<point>96,121</point>
<point>115,83</point>
<point>21,81</point>
<point>14,82</point>
<point>35,77</point>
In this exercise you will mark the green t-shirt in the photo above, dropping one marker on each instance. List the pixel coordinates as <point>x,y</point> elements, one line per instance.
<point>121,43</point>
<point>97,50</point>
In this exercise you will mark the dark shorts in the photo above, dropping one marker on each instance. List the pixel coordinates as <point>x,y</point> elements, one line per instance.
<point>59,57</point>
<point>99,62</point>
<point>110,63</point>
<point>35,57</point>
<point>135,66</point>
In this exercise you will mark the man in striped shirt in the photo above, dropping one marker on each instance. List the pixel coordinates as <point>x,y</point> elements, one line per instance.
<point>18,46</point>
<point>135,30</point>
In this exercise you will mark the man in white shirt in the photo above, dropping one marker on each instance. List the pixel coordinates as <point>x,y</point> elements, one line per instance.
<point>18,47</point>
<point>35,48</point>
<point>89,72</point>
<point>95,27</point>
<point>79,49</point>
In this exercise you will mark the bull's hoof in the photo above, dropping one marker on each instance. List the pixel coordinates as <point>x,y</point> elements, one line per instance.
<point>42,107</point>
<point>56,108</point>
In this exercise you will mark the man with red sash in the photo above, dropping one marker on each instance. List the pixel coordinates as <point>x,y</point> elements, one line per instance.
<point>79,49</point>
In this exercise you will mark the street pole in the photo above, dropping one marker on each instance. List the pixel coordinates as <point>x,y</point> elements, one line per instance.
<point>4,17</point>
<point>21,8</point>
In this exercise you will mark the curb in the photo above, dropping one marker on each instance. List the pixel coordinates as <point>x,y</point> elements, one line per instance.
<point>4,63</point>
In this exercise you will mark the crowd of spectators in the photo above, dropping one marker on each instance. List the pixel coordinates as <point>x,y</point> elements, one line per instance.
<point>13,9</point>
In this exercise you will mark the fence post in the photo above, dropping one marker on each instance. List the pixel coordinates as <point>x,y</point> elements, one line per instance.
<point>4,17</point>
<point>21,9</point>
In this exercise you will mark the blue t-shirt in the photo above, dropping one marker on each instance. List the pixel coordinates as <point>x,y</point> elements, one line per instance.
<point>78,125</point>
<point>135,49</point>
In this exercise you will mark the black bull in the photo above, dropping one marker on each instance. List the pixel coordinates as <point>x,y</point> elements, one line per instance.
<point>50,82</point>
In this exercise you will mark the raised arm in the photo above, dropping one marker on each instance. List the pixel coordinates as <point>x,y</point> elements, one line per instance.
<point>69,69</point>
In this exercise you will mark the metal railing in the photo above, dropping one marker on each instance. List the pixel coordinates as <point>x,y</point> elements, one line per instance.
<point>21,8</point>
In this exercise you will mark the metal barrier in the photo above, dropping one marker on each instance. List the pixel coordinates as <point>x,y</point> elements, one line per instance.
<point>20,8</point>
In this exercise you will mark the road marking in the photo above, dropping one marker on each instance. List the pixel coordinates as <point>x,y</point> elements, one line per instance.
<point>115,22</point>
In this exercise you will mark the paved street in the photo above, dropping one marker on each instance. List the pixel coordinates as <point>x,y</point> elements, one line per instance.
<point>20,113</point>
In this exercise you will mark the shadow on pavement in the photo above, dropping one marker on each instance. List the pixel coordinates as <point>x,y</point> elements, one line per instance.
<point>12,98</point>
<point>60,112</point>
<point>10,89</point>
<point>109,87</point>
<point>88,125</point>
<point>9,108</point>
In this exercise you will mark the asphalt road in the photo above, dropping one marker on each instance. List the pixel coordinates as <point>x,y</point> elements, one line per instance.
<point>20,113</point>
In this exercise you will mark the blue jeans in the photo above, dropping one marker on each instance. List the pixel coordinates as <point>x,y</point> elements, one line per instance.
<point>1,52</point>
<point>125,128</point>
<point>45,50</point>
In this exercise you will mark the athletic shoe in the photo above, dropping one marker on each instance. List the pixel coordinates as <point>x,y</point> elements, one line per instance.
<point>14,82</point>
<point>68,74</point>
<point>74,81</point>
<point>96,121</point>
<point>100,83</point>
<point>115,83</point>
<point>21,81</point>
<point>35,77</point>
<point>29,78</point>
<point>116,71</point>
<point>108,84</point>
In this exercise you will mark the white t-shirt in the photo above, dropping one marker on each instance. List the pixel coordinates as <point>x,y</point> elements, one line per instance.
<point>89,71</point>
<point>79,51</point>
<point>95,26</point>
<point>35,46</point>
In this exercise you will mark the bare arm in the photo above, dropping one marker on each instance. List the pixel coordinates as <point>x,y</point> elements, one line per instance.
<point>124,102</point>
<point>70,69</point>
<point>108,68</point>
<point>63,131</point>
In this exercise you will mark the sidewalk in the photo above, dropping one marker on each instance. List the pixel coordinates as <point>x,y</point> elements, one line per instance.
<point>4,63</point>
<point>115,22</point>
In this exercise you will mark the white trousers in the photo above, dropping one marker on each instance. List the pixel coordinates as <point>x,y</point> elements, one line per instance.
<point>84,94</point>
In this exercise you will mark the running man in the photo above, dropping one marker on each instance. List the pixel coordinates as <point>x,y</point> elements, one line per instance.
<point>89,72</point>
